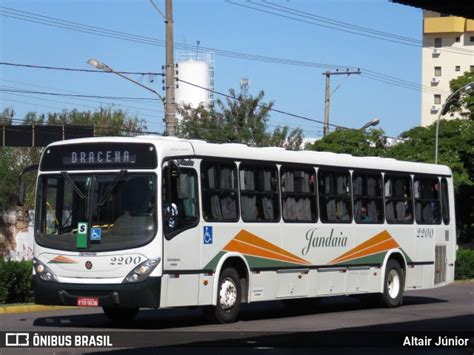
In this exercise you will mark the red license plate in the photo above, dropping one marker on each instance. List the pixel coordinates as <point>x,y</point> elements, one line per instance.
<point>88,301</point>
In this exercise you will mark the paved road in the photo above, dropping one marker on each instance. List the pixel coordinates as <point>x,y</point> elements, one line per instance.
<point>274,326</point>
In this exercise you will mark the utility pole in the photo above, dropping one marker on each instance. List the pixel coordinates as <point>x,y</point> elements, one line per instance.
<point>328,94</point>
<point>170,106</point>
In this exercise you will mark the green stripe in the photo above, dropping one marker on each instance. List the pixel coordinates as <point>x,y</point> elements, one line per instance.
<point>212,265</point>
<point>371,259</point>
<point>256,262</point>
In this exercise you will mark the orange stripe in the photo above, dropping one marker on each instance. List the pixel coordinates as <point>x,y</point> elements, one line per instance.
<point>385,245</point>
<point>235,245</point>
<point>382,236</point>
<point>62,259</point>
<point>280,255</point>
<point>250,238</point>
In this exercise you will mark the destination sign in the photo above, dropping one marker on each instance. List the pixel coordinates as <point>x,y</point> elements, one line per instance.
<point>99,156</point>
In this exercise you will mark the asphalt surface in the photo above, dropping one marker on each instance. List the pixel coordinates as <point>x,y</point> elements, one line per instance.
<point>336,324</point>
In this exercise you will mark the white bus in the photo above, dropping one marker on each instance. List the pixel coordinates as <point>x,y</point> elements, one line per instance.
<point>153,222</point>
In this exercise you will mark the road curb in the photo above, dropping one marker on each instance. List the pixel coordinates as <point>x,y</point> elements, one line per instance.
<point>464,281</point>
<point>27,308</point>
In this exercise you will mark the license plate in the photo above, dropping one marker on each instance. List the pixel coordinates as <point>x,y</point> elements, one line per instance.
<point>88,301</point>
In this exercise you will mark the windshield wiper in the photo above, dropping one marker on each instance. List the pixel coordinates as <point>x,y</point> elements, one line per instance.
<point>73,185</point>
<point>112,187</point>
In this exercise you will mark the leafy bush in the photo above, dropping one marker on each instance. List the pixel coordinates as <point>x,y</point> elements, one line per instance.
<point>16,281</point>
<point>465,264</point>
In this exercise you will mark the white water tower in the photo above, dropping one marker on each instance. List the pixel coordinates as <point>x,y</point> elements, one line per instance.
<point>195,68</point>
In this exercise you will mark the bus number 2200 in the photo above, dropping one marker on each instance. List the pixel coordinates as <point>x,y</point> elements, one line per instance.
<point>125,260</point>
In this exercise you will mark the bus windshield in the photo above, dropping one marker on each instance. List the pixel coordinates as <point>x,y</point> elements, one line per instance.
<point>119,209</point>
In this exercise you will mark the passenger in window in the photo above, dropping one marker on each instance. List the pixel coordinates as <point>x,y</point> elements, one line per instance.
<point>364,217</point>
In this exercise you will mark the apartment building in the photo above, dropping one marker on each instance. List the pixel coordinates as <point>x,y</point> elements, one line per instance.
<point>448,52</point>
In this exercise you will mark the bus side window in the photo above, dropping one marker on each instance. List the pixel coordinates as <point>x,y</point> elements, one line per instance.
<point>334,196</point>
<point>180,206</point>
<point>368,198</point>
<point>298,195</point>
<point>398,199</point>
<point>427,203</point>
<point>219,190</point>
<point>259,193</point>
<point>445,200</point>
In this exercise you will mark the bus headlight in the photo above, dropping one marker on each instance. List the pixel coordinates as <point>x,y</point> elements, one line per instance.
<point>141,272</point>
<point>42,271</point>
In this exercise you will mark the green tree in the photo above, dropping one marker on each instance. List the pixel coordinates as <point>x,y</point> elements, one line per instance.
<point>239,120</point>
<point>463,102</point>
<point>107,121</point>
<point>356,142</point>
<point>456,149</point>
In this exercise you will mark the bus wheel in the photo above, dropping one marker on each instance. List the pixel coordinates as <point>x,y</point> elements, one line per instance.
<point>394,283</point>
<point>229,295</point>
<point>120,314</point>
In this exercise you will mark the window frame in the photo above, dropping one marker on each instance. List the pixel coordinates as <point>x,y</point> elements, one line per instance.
<point>324,169</point>
<point>276,194</point>
<point>379,177</point>
<point>204,190</point>
<point>314,195</point>
<point>388,175</point>
<point>426,177</point>
<point>174,233</point>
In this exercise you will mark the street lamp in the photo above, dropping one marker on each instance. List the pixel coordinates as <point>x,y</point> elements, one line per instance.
<point>102,66</point>
<point>444,110</point>
<point>371,123</point>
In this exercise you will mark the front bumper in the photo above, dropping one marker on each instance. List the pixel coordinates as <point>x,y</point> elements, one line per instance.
<point>131,295</point>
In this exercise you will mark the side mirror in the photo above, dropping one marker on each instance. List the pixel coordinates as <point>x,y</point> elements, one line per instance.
<point>21,193</point>
<point>21,188</point>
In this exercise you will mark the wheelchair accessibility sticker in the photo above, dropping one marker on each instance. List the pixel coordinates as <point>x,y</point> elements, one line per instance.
<point>207,238</point>
<point>96,233</point>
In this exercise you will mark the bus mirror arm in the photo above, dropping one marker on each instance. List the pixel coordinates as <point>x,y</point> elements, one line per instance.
<point>21,187</point>
<point>173,164</point>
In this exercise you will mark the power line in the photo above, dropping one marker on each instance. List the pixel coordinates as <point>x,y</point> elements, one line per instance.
<point>110,105</point>
<point>126,98</point>
<point>265,106</point>
<point>122,98</point>
<point>306,17</point>
<point>81,99</point>
<point>369,74</point>
<point>100,31</point>
<point>78,69</point>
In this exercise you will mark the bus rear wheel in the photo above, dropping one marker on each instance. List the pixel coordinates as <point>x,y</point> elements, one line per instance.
<point>229,295</point>
<point>394,283</point>
<point>120,314</point>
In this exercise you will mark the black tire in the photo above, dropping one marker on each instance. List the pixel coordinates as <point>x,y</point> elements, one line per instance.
<point>227,307</point>
<point>394,285</point>
<point>120,315</point>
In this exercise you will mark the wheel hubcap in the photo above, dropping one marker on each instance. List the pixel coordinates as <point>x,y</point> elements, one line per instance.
<point>393,283</point>
<point>227,294</point>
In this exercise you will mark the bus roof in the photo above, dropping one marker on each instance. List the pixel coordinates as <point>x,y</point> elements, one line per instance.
<point>172,146</point>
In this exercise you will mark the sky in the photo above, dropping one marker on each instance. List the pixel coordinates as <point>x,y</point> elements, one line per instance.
<point>225,26</point>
